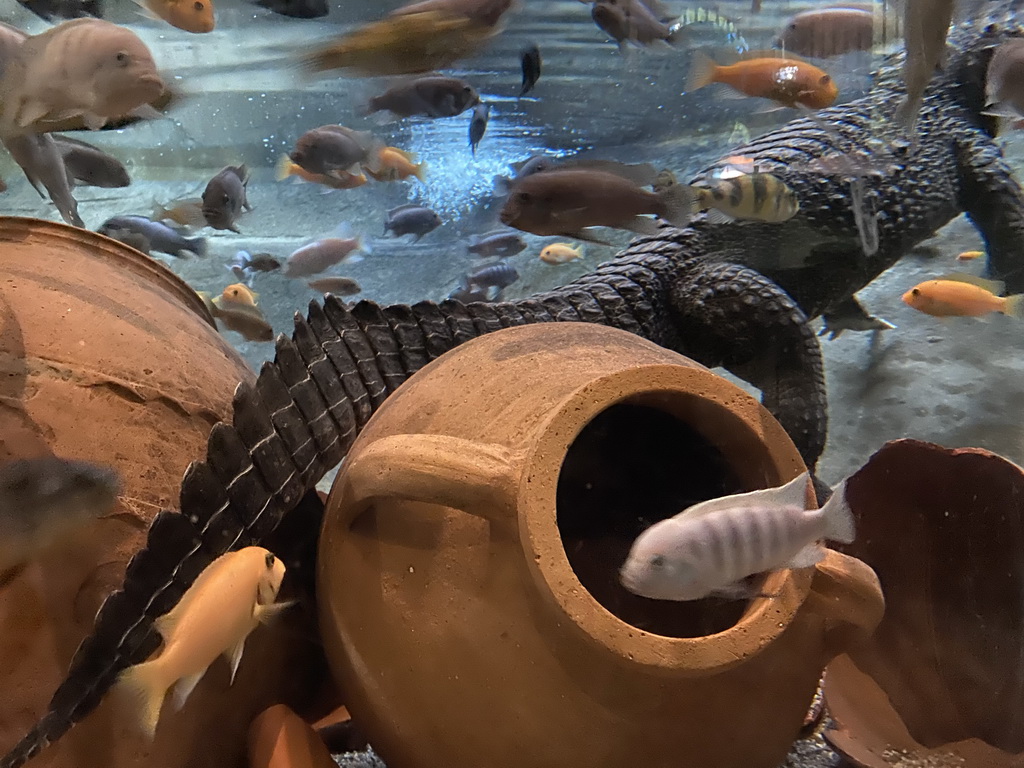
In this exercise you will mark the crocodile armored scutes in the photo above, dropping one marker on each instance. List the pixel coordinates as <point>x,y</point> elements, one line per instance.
<point>910,188</point>
<point>306,407</point>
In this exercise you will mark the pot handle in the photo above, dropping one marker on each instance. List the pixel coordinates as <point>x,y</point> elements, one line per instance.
<point>478,478</point>
<point>845,592</point>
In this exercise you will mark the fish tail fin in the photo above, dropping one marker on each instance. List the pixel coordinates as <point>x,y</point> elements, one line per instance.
<point>421,171</point>
<point>839,523</point>
<point>147,685</point>
<point>197,245</point>
<point>284,168</point>
<point>1014,305</point>
<point>906,114</point>
<point>677,202</point>
<point>702,71</point>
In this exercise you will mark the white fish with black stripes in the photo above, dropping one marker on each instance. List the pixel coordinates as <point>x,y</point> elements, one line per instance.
<point>709,549</point>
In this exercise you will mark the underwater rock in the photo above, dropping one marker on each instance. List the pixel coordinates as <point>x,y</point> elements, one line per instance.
<point>468,565</point>
<point>106,356</point>
<point>279,738</point>
<point>940,681</point>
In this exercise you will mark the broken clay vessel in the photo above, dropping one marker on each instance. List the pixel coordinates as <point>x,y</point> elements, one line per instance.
<point>940,681</point>
<point>107,356</point>
<point>467,576</point>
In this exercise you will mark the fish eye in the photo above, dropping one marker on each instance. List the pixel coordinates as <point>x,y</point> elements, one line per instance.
<point>915,291</point>
<point>523,197</point>
<point>122,57</point>
<point>657,562</point>
<point>792,26</point>
<point>825,80</point>
<point>270,560</point>
<point>225,199</point>
<point>198,5</point>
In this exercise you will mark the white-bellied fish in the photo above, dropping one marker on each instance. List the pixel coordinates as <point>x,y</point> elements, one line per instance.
<point>313,258</point>
<point>709,548</point>
<point>90,166</point>
<point>230,598</point>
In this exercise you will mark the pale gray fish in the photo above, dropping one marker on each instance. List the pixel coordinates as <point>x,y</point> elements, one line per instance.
<point>498,275</point>
<point>38,156</point>
<point>44,500</point>
<point>161,237</point>
<point>1004,80</point>
<point>478,125</point>
<point>710,548</point>
<point>925,26</point>
<point>500,244</point>
<point>411,219</point>
<point>339,286</point>
<point>90,166</point>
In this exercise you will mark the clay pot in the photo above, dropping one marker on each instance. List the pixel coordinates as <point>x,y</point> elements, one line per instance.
<point>468,586</point>
<point>106,356</point>
<point>939,683</point>
<point>279,738</point>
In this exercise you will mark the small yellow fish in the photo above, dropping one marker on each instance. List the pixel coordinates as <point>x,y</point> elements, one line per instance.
<point>560,253</point>
<point>240,294</point>
<point>959,295</point>
<point>229,599</point>
<point>336,180</point>
<point>396,165</point>
<point>970,255</point>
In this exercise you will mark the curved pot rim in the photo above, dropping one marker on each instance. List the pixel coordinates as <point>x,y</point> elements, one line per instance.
<point>763,621</point>
<point>21,228</point>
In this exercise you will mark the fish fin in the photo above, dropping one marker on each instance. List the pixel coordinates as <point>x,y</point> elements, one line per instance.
<point>792,494</point>
<point>265,614</point>
<point>678,201</point>
<point>702,72</point>
<point>145,11</point>
<point>364,246</point>
<point>184,687</point>
<point>343,231</point>
<point>146,684</point>
<point>839,523</point>
<point>420,172</point>
<point>810,555</point>
<point>284,167</point>
<point>717,216</point>
<point>148,112</point>
<point>197,245</point>
<point>744,589</point>
<point>643,225</point>
<point>994,286</point>
<point>234,657</point>
<point>31,111</point>
<point>1014,305</point>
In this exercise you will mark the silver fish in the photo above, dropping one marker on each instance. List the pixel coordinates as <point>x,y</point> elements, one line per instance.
<point>925,26</point>
<point>502,244</point>
<point>478,125</point>
<point>498,275</point>
<point>710,548</point>
<point>411,220</point>
<point>90,166</point>
<point>161,237</point>
<point>38,156</point>
<point>224,198</point>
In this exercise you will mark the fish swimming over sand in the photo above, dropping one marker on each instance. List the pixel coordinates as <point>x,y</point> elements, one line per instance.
<point>925,26</point>
<point>161,237</point>
<point>189,15</point>
<point>499,275</point>
<point>394,164</point>
<point>530,62</point>
<point>429,96</point>
<point>84,67</point>
<point>38,156</point>
<point>224,198</point>
<point>245,265</point>
<point>239,294</point>
<point>90,166</point>
<point>230,598</point>
<point>757,196</point>
<point>822,33</point>
<point>960,295</point>
<point>331,149</point>
<point>709,548</point>
<point>313,258</point>
<point>486,13</point>
<point>336,180</point>
<point>47,499</point>
<point>411,219</point>
<point>478,125</point>
<point>560,253</point>
<point>339,286</point>
<point>503,244</point>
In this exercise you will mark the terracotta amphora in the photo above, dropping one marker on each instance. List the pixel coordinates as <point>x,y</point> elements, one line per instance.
<point>468,574</point>
<point>107,356</point>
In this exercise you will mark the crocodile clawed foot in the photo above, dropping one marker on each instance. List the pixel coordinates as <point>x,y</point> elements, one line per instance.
<point>851,316</point>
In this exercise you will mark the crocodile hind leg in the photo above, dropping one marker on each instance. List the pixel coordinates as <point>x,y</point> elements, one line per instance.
<point>748,325</point>
<point>994,201</point>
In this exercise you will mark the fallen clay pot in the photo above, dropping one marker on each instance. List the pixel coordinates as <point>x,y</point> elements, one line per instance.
<point>279,738</point>
<point>468,571</point>
<point>940,681</point>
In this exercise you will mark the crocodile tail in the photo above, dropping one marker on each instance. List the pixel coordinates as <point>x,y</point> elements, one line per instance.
<point>296,422</point>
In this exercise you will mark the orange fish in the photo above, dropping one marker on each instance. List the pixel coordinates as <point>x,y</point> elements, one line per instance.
<point>970,255</point>
<point>239,294</point>
<point>787,81</point>
<point>395,165</point>
<point>959,295</point>
<point>189,15</point>
<point>337,180</point>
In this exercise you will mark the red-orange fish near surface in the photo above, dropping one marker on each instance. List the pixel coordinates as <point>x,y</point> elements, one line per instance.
<point>788,81</point>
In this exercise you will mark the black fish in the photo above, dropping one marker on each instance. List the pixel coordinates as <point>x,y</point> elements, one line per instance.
<point>297,9</point>
<point>478,125</point>
<point>530,59</point>
<point>63,9</point>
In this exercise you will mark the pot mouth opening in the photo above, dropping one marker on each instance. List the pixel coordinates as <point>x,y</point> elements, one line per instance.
<point>641,460</point>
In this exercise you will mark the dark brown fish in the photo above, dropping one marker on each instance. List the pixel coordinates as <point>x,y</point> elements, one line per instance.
<point>47,499</point>
<point>484,12</point>
<point>826,32</point>
<point>90,166</point>
<point>63,9</point>
<point>499,275</point>
<point>566,202</point>
<point>224,198</point>
<point>431,96</point>
<point>339,286</point>
<point>632,21</point>
<point>331,149</point>
<point>529,60</point>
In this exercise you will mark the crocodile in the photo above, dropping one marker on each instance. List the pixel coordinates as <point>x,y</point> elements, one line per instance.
<point>736,295</point>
